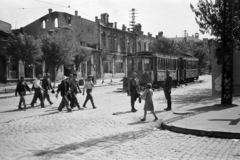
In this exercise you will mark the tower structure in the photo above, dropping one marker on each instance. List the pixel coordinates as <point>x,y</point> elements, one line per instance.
<point>133,15</point>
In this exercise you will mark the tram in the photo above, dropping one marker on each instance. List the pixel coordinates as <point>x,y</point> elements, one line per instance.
<point>151,68</point>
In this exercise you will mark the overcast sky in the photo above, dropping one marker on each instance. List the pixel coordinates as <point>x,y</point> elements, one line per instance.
<point>170,16</point>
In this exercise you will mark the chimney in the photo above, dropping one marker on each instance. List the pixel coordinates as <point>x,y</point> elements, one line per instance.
<point>50,10</point>
<point>96,19</point>
<point>123,27</point>
<point>76,13</point>
<point>196,35</point>
<point>115,24</point>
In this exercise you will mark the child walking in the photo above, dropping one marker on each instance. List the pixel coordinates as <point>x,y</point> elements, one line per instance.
<point>148,106</point>
<point>21,91</point>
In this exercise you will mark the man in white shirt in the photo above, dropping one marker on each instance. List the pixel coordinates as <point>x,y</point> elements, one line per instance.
<point>37,92</point>
<point>89,86</point>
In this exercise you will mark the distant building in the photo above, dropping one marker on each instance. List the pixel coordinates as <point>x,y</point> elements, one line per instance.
<point>194,39</point>
<point>5,31</point>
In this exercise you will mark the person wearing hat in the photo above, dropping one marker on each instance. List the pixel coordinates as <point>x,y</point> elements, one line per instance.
<point>21,91</point>
<point>167,90</point>
<point>88,86</point>
<point>134,90</point>
<point>65,91</point>
<point>73,82</point>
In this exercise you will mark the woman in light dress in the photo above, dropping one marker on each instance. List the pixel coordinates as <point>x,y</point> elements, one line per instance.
<point>148,106</point>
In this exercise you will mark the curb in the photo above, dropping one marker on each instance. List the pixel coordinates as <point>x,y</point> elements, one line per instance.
<point>11,96</point>
<point>215,134</point>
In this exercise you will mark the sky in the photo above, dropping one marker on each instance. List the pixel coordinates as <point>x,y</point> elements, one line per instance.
<point>171,17</point>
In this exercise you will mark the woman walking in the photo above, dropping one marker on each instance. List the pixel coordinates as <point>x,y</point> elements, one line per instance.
<point>148,106</point>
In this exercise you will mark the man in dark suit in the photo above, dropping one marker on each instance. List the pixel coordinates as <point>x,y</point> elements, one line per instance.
<point>167,90</point>
<point>46,85</point>
<point>134,90</point>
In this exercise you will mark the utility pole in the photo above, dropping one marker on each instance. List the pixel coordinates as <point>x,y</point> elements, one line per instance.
<point>133,30</point>
<point>227,57</point>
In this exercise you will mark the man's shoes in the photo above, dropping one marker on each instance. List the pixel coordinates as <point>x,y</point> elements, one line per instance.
<point>20,108</point>
<point>155,119</point>
<point>143,119</point>
<point>69,110</point>
<point>84,106</point>
<point>167,109</point>
<point>51,103</point>
<point>134,110</point>
<point>43,107</point>
<point>139,100</point>
<point>79,108</point>
<point>94,107</point>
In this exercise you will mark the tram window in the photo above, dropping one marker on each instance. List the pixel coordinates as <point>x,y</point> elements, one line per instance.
<point>147,64</point>
<point>174,64</point>
<point>139,63</point>
<point>159,63</point>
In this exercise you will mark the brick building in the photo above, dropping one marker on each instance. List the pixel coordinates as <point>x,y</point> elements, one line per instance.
<point>5,31</point>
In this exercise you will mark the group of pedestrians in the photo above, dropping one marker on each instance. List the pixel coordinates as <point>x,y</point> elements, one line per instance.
<point>40,88</point>
<point>134,92</point>
<point>68,88</point>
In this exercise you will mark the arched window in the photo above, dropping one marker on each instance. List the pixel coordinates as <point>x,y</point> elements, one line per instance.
<point>115,42</point>
<point>139,46</point>
<point>43,24</point>
<point>56,22</point>
<point>103,41</point>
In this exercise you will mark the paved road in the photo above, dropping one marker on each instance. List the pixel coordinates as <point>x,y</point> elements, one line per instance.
<point>109,132</point>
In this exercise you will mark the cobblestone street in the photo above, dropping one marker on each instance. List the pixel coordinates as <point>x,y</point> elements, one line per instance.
<point>109,132</point>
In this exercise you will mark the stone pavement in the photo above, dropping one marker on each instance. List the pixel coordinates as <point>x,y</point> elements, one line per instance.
<point>110,132</point>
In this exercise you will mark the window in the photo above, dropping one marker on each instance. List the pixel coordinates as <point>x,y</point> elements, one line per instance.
<point>103,40</point>
<point>56,22</point>
<point>145,47</point>
<point>139,46</point>
<point>69,21</point>
<point>139,64</point>
<point>147,63</point>
<point>43,24</point>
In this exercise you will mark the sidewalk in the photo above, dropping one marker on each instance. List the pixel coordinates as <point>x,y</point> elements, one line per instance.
<point>207,118</point>
<point>9,91</point>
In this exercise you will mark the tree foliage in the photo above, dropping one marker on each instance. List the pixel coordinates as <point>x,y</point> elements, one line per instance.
<point>210,18</point>
<point>80,54</point>
<point>56,51</point>
<point>24,47</point>
<point>163,45</point>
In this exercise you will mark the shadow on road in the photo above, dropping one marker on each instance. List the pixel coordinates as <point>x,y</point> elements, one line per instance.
<point>119,113</point>
<point>138,122</point>
<point>102,142</point>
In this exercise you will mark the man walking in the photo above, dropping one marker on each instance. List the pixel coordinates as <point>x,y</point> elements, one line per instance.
<point>46,84</point>
<point>65,91</point>
<point>89,86</point>
<point>134,90</point>
<point>167,90</point>
<point>73,83</point>
<point>21,90</point>
<point>38,92</point>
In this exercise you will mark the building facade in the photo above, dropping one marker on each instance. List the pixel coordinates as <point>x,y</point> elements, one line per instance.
<point>109,47</point>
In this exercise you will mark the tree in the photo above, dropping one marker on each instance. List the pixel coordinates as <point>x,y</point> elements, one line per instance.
<point>163,45</point>
<point>57,51</point>
<point>80,54</point>
<point>25,48</point>
<point>210,18</point>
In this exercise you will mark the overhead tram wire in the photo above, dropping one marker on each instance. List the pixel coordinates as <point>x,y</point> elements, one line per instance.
<point>65,7</point>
